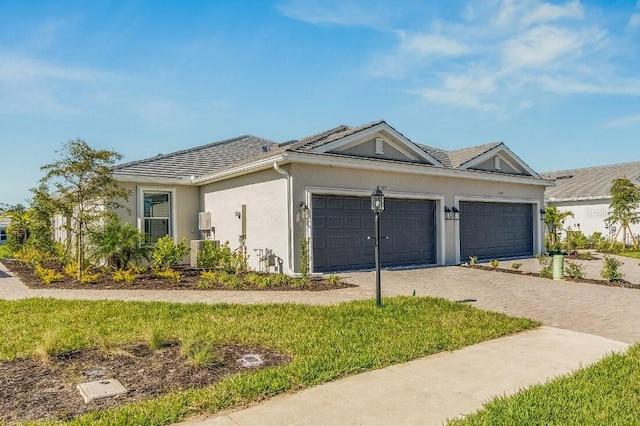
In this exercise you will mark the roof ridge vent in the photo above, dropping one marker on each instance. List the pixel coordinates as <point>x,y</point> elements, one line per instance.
<point>564,177</point>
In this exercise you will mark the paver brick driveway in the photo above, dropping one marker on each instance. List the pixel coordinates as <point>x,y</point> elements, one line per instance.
<point>610,312</point>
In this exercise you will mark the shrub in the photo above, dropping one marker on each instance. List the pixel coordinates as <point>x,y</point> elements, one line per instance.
<point>574,270</point>
<point>208,279</point>
<point>120,245</point>
<point>71,270</point>
<point>473,260</point>
<point>575,240</point>
<point>494,264</point>
<point>157,338</point>
<point>610,270</point>
<point>127,275</point>
<point>333,279</point>
<point>516,265</point>
<point>47,275</point>
<point>50,344</point>
<point>301,282</point>
<point>546,267</point>
<point>201,354</point>
<point>221,257</point>
<point>258,280</point>
<point>30,256</point>
<point>596,241</point>
<point>168,254</point>
<point>88,278</point>
<point>168,274</point>
<point>231,281</point>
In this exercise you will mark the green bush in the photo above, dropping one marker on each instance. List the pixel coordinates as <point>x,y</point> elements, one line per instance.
<point>47,275</point>
<point>494,263</point>
<point>576,240</point>
<point>597,241</point>
<point>546,267</point>
<point>610,270</point>
<point>127,275</point>
<point>168,254</point>
<point>574,270</point>
<point>516,265</point>
<point>120,245</point>
<point>168,274</point>
<point>473,260</point>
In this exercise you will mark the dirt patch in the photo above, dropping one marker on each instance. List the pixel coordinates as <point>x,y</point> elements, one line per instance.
<point>147,281</point>
<point>622,283</point>
<point>32,389</point>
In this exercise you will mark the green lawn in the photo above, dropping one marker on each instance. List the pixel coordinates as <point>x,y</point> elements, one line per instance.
<point>606,393</point>
<point>325,342</point>
<point>631,253</point>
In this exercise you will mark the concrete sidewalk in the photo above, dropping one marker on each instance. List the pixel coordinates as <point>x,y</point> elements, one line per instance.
<point>431,390</point>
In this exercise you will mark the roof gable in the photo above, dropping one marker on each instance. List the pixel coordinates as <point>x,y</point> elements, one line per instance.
<point>375,140</point>
<point>492,157</point>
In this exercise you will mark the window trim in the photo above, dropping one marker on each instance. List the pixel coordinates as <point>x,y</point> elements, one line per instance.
<point>173,207</point>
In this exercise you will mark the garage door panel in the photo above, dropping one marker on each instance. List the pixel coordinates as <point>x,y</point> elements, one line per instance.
<point>494,230</point>
<point>341,226</point>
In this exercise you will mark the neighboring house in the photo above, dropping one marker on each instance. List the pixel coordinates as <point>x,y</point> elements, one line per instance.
<point>586,192</point>
<point>4,224</point>
<point>268,197</point>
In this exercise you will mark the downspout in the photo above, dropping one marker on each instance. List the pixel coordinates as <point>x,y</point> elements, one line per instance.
<point>291,242</point>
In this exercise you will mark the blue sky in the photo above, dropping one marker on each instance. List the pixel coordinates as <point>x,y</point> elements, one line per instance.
<point>558,82</point>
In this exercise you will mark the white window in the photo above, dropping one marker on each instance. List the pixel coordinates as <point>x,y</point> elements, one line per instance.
<point>157,214</point>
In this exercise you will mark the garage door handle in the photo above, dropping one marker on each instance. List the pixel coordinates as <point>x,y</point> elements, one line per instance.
<point>382,238</point>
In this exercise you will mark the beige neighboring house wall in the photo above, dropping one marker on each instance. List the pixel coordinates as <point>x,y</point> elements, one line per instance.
<point>4,223</point>
<point>263,195</point>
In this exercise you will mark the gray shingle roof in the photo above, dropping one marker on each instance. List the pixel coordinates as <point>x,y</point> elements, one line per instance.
<point>196,161</point>
<point>218,156</point>
<point>460,157</point>
<point>590,182</point>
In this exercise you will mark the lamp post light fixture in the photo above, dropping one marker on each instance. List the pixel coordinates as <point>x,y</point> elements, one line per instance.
<point>377,205</point>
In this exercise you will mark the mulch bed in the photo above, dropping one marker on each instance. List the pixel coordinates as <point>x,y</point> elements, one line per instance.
<point>622,283</point>
<point>189,281</point>
<point>33,389</point>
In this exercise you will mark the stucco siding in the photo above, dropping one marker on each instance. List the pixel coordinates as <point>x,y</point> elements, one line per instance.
<point>265,196</point>
<point>446,191</point>
<point>589,216</point>
<point>185,206</point>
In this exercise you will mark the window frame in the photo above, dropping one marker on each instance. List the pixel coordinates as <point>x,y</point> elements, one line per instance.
<point>142,190</point>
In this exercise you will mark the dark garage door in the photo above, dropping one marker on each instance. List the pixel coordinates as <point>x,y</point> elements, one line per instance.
<point>341,226</point>
<point>495,230</point>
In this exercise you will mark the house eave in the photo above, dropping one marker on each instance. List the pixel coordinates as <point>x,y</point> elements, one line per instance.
<point>568,199</point>
<point>243,169</point>
<point>182,180</point>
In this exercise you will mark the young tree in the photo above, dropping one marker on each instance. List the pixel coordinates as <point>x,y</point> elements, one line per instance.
<point>85,188</point>
<point>554,220</point>
<point>625,199</point>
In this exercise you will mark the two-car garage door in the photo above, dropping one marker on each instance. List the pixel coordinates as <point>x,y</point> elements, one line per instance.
<point>343,232</point>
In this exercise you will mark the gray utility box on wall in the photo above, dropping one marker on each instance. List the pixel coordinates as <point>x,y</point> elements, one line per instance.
<point>196,246</point>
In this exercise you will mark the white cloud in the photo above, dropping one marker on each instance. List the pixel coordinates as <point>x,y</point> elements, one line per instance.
<point>430,44</point>
<point>503,55</point>
<point>627,121</point>
<point>634,22</point>
<point>545,12</point>
<point>336,12</point>
<point>546,45</point>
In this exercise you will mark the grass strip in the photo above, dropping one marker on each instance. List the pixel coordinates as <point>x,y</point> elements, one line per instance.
<point>325,342</point>
<point>605,393</point>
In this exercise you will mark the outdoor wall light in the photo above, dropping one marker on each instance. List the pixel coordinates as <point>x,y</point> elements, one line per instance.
<point>456,213</point>
<point>543,214</point>
<point>448,214</point>
<point>304,210</point>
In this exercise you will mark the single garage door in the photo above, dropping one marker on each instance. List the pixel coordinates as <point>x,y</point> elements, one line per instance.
<point>495,230</point>
<point>342,227</point>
